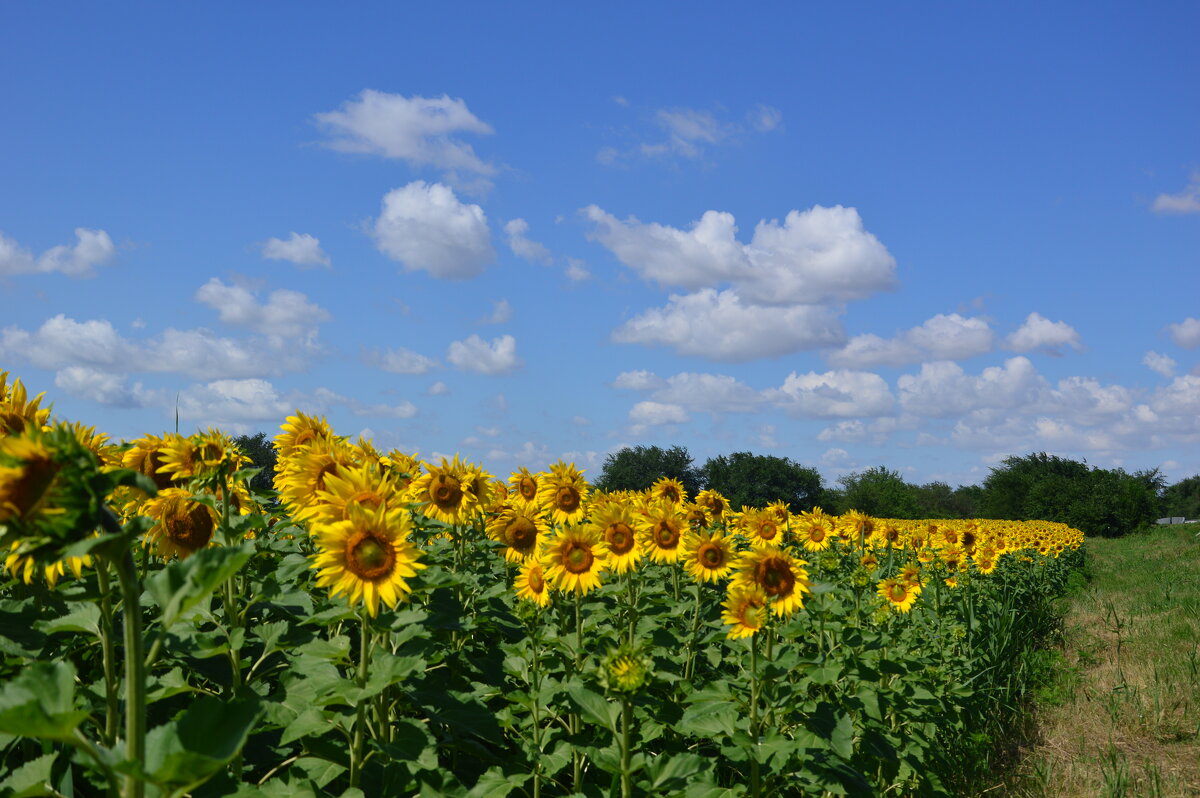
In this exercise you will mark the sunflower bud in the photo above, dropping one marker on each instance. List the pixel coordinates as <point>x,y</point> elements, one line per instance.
<point>625,670</point>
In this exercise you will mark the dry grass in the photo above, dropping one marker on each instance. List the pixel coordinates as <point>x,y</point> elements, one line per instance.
<point>1121,714</point>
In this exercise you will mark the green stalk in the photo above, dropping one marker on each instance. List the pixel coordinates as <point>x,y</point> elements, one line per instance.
<point>688,669</point>
<point>135,675</point>
<point>535,683</point>
<point>360,721</point>
<point>626,771</point>
<point>755,778</point>
<point>107,634</point>
<point>576,754</point>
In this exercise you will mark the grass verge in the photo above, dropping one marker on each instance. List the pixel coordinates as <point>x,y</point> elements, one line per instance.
<point>1117,709</point>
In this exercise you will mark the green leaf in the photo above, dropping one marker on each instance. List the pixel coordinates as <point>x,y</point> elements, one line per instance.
<point>311,721</point>
<point>674,773</point>
<point>494,782</point>
<point>185,583</point>
<point>32,778</point>
<point>40,702</point>
<point>594,708</point>
<point>709,719</point>
<point>842,737</point>
<point>194,747</point>
<point>84,618</point>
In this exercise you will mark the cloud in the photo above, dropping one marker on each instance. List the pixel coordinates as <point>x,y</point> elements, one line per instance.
<point>438,388</point>
<point>719,326</point>
<point>300,249</point>
<point>420,130</point>
<point>1038,332</point>
<point>476,355</point>
<point>61,342</point>
<point>712,393</point>
<point>943,337</point>
<point>640,380</point>
<point>501,313</point>
<point>98,386</point>
<point>92,248</point>
<point>654,413</point>
<point>577,270</point>
<point>688,133</point>
<point>233,401</point>
<point>327,398</point>
<point>813,256</point>
<point>1185,333</point>
<point>942,389</point>
<point>400,361</point>
<point>834,394</point>
<point>1160,364</point>
<point>764,118</point>
<point>522,247</point>
<point>424,226</point>
<point>1186,201</point>
<point>286,313</point>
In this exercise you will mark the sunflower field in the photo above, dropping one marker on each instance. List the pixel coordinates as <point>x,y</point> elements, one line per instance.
<point>377,625</point>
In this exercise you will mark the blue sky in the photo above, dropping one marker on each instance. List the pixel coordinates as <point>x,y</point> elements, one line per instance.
<point>924,237</point>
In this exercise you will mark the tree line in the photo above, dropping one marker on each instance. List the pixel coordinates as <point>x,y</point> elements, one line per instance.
<point>1039,486</point>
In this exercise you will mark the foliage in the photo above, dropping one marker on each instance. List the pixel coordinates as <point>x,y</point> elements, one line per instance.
<point>638,467</point>
<point>1101,502</point>
<point>880,491</point>
<point>261,451</point>
<point>1182,500</point>
<point>756,480</point>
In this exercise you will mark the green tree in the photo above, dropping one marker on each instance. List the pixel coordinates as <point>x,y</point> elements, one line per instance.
<point>756,480</point>
<point>880,491</point>
<point>639,467</point>
<point>261,451</point>
<point>1182,499</point>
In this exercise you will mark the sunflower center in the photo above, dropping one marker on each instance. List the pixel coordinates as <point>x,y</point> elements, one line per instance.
<point>303,437</point>
<point>27,489</point>
<point>578,559</point>
<point>620,538</point>
<point>671,492</point>
<point>536,583</point>
<point>816,534</point>
<point>898,592</point>
<point>710,555</point>
<point>752,615</point>
<point>666,535</point>
<point>369,555</point>
<point>446,491</point>
<point>521,533</point>
<point>567,499</point>
<point>210,454</point>
<point>697,517</point>
<point>154,462</point>
<point>366,498</point>
<point>775,577</point>
<point>767,531</point>
<point>192,528</point>
<point>528,488</point>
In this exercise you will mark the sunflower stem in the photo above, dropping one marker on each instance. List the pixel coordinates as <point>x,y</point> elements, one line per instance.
<point>135,675</point>
<point>755,784</point>
<point>107,633</point>
<point>535,685</point>
<point>364,656</point>
<point>576,754</point>
<point>626,771</point>
<point>689,667</point>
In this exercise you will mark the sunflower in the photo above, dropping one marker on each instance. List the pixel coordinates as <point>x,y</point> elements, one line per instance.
<point>200,456</point>
<point>446,492</point>
<point>662,529</point>
<point>716,504</point>
<point>530,583</point>
<point>574,559</point>
<point>815,531</point>
<point>367,557</point>
<point>779,575</point>
<point>911,574</point>
<point>708,556</point>
<point>614,523</point>
<point>670,489</point>
<point>901,595</point>
<point>364,485</point>
<point>146,455</point>
<point>28,470</point>
<point>952,556</point>
<point>761,527</point>
<point>781,510</point>
<point>300,431</point>
<point>25,566</point>
<point>524,483</point>
<point>562,492</point>
<point>868,561</point>
<point>404,467</point>
<point>182,526</point>
<point>16,411</point>
<point>745,610</point>
<point>304,475</point>
<point>695,516</point>
<point>519,526</point>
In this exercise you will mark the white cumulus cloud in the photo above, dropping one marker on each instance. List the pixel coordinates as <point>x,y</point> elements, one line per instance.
<point>425,226</point>
<point>479,356</point>
<point>1186,201</point>
<point>515,232</point>
<point>1159,363</point>
<point>286,313</point>
<point>501,313</point>
<point>719,326</point>
<point>943,337</point>
<point>301,249</point>
<point>1185,333</point>
<point>654,413</point>
<point>92,248</point>
<point>834,394</point>
<point>400,360</point>
<point>423,131</point>
<point>1038,332</point>
<point>813,256</point>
